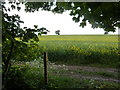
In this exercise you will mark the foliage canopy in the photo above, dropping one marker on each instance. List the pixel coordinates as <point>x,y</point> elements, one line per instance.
<point>99,14</point>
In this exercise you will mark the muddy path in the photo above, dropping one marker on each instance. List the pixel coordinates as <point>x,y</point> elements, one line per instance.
<point>86,72</point>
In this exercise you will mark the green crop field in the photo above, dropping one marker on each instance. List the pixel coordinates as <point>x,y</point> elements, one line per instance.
<point>81,49</point>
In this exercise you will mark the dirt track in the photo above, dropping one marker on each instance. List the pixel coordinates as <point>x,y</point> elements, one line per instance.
<point>70,72</point>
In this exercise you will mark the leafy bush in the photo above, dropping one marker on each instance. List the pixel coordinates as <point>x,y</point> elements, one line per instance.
<point>15,78</point>
<point>27,75</point>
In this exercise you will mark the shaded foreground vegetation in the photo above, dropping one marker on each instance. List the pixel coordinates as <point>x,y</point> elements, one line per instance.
<point>82,49</point>
<point>29,75</point>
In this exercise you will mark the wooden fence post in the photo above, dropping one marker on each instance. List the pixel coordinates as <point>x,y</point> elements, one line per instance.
<point>45,68</point>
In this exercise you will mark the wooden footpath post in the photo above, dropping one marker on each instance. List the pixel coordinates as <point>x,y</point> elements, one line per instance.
<point>45,69</point>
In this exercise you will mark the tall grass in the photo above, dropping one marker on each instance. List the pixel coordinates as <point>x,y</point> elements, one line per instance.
<point>81,49</point>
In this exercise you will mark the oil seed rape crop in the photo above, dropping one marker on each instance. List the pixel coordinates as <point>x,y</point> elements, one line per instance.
<point>81,49</point>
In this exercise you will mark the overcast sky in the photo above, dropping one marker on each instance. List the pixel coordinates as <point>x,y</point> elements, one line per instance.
<point>53,22</point>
